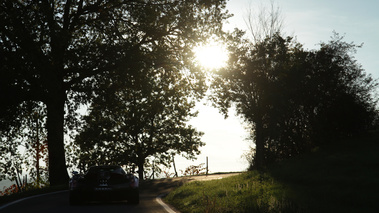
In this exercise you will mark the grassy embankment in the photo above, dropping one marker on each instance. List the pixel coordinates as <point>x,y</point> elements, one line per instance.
<point>343,177</point>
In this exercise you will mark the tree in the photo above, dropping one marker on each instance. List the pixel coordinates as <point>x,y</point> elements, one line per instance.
<point>140,116</point>
<point>55,52</point>
<point>257,82</point>
<point>296,99</point>
<point>24,147</point>
<point>264,22</point>
<point>343,101</point>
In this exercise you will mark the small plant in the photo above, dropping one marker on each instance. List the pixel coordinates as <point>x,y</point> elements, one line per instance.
<point>13,189</point>
<point>194,170</point>
<point>168,174</point>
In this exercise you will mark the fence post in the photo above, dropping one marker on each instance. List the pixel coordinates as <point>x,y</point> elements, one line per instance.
<point>207,166</point>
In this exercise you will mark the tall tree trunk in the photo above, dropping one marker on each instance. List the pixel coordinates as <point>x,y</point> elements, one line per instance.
<point>259,159</point>
<point>140,156</point>
<point>37,151</point>
<point>55,120</point>
<point>140,168</point>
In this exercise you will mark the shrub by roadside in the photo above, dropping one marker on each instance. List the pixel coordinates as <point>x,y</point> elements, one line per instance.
<point>31,192</point>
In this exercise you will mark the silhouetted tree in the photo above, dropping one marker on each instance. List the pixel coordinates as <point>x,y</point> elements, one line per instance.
<point>264,22</point>
<point>259,83</point>
<point>341,91</point>
<point>143,115</point>
<point>295,99</point>
<point>24,146</point>
<point>56,52</point>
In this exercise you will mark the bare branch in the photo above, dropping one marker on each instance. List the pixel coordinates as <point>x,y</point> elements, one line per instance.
<point>264,22</point>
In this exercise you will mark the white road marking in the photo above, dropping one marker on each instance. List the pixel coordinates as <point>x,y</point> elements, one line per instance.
<point>26,198</point>
<point>164,205</point>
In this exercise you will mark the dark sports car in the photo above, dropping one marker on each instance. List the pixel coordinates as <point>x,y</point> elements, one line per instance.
<point>104,183</point>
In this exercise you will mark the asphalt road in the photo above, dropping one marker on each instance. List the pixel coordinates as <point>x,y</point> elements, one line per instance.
<point>58,202</point>
<point>149,190</point>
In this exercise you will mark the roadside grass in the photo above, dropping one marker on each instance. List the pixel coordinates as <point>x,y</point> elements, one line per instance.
<point>343,177</point>
<point>249,192</point>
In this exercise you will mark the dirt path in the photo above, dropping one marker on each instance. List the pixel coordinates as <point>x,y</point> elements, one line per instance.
<point>164,186</point>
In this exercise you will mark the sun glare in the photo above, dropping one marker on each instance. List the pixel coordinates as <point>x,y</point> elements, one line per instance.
<point>211,56</point>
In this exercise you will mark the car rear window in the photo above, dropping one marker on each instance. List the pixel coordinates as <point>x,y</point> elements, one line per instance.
<point>112,170</point>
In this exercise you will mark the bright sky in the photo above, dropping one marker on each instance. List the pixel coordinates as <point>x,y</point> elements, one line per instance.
<point>311,22</point>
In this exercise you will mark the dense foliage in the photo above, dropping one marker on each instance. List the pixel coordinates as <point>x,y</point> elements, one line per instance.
<point>140,118</point>
<point>296,99</point>
<point>55,53</point>
<point>24,148</point>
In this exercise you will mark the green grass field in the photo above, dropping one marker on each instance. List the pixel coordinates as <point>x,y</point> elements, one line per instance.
<point>343,177</point>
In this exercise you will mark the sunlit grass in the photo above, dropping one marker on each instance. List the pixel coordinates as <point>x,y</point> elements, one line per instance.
<point>343,177</point>
<point>248,192</point>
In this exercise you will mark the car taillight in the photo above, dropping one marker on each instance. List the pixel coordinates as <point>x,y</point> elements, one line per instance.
<point>133,183</point>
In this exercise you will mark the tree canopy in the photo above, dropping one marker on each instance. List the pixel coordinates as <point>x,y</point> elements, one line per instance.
<point>296,99</point>
<point>24,148</point>
<point>57,52</point>
<point>140,116</point>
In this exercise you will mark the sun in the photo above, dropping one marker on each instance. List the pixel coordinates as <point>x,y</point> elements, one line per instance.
<point>211,56</point>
